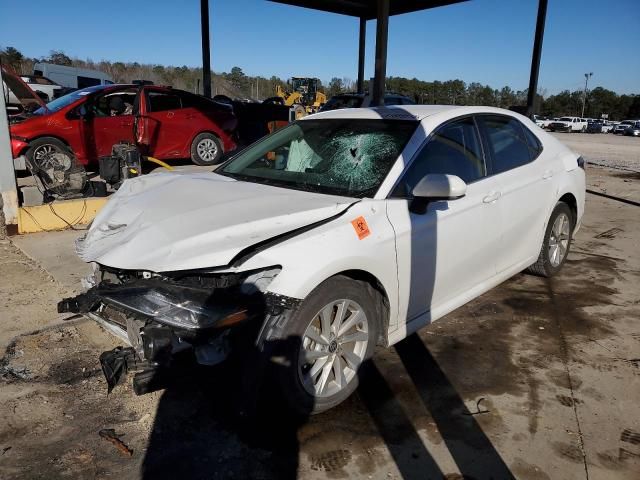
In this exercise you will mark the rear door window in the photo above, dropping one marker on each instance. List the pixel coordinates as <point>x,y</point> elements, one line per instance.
<point>162,101</point>
<point>507,143</point>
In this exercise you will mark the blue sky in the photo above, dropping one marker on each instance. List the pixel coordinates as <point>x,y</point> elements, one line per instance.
<point>488,41</point>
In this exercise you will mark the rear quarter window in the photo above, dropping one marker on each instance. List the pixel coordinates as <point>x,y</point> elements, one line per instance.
<point>535,145</point>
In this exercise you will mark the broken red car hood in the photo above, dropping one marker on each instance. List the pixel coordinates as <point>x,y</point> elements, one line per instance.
<point>179,221</point>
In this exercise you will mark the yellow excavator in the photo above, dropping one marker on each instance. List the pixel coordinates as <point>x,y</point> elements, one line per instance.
<point>304,96</point>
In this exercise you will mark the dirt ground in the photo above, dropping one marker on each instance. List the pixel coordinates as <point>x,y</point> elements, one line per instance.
<point>615,151</point>
<point>535,380</point>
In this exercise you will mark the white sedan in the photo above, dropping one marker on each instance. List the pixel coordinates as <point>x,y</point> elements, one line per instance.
<point>345,230</point>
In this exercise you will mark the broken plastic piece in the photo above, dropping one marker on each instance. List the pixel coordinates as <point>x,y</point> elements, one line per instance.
<point>116,363</point>
<point>109,434</point>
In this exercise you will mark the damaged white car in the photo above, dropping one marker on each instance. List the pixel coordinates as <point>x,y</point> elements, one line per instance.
<point>343,231</point>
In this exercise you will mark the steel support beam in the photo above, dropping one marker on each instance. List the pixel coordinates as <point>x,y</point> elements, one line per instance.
<point>382,36</point>
<point>8,187</point>
<point>206,48</point>
<point>361,51</point>
<point>535,57</point>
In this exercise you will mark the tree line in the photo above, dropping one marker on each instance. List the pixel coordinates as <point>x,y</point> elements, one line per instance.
<point>236,84</point>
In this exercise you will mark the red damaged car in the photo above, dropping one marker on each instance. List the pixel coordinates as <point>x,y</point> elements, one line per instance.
<point>164,122</point>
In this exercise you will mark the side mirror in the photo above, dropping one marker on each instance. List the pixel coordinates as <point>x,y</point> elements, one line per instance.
<point>436,186</point>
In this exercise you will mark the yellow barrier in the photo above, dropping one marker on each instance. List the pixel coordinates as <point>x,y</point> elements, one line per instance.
<point>59,215</point>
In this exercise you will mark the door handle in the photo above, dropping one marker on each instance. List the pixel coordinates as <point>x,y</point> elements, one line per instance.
<point>547,174</point>
<point>492,197</point>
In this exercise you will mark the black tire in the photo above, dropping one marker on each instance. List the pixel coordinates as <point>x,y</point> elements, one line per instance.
<point>544,266</point>
<point>206,149</point>
<point>283,336</point>
<point>39,148</point>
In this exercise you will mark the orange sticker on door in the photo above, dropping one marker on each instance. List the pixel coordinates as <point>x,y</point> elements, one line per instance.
<point>361,227</point>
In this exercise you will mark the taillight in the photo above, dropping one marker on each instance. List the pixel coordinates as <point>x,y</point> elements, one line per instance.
<point>582,163</point>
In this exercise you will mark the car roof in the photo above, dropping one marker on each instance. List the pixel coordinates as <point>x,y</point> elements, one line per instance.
<point>407,112</point>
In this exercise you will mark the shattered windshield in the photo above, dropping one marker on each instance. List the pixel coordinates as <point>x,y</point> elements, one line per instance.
<point>348,157</point>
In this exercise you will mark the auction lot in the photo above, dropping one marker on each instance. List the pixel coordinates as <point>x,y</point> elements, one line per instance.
<point>537,379</point>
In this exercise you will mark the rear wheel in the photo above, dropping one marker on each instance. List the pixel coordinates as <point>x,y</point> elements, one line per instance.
<point>556,243</point>
<point>206,149</point>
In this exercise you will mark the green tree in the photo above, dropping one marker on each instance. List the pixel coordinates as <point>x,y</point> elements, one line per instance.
<point>59,58</point>
<point>335,87</point>
<point>12,57</point>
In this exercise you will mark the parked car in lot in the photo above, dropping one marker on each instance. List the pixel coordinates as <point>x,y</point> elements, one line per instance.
<point>362,100</point>
<point>568,124</point>
<point>633,130</point>
<point>544,123</point>
<point>345,230</point>
<point>165,122</point>
<point>607,126</point>
<point>622,126</point>
<point>595,126</point>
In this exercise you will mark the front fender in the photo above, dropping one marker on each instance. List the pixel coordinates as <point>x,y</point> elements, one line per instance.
<point>316,255</point>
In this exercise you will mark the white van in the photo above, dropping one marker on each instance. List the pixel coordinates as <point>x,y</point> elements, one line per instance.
<point>72,77</point>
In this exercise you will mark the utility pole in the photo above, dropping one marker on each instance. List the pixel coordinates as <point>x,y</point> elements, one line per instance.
<point>587,76</point>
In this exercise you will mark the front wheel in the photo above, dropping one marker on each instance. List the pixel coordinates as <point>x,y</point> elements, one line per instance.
<point>328,338</point>
<point>46,153</point>
<point>206,149</point>
<point>556,243</point>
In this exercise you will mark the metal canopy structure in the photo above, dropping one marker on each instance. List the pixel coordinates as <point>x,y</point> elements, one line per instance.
<point>380,10</point>
<point>365,10</point>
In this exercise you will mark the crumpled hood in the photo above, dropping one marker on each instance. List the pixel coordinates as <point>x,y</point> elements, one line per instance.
<point>180,221</point>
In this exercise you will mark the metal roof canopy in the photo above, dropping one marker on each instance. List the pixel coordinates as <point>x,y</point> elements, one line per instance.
<point>381,10</point>
<point>365,10</point>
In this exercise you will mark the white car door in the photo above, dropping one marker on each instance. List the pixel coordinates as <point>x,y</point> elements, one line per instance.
<point>526,179</point>
<point>451,247</point>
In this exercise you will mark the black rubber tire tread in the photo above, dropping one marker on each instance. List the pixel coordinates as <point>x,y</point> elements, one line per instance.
<point>38,142</point>
<point>289,329</point>
<point>543,267</point>
<point>195,158</point>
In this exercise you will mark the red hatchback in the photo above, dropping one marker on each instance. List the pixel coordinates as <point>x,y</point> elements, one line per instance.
<point>164,122</point>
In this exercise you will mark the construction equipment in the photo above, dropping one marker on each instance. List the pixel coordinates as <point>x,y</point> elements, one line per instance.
<point>304,96</point>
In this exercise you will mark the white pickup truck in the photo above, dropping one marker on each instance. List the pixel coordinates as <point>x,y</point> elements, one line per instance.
<point>568,124</point>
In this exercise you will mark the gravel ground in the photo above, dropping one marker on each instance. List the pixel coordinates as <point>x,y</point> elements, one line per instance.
<point>608,150</point>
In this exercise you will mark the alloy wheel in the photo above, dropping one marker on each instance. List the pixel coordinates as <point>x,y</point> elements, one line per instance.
<point>559,239</point>
<point>49,156</point>
<point>207,150</point>
<point>334,346</point>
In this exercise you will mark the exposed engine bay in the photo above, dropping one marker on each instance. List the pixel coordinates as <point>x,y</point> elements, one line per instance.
<point>167,318</point>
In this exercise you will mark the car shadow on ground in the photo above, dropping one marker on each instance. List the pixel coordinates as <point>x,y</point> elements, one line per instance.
<point>204,426</point>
